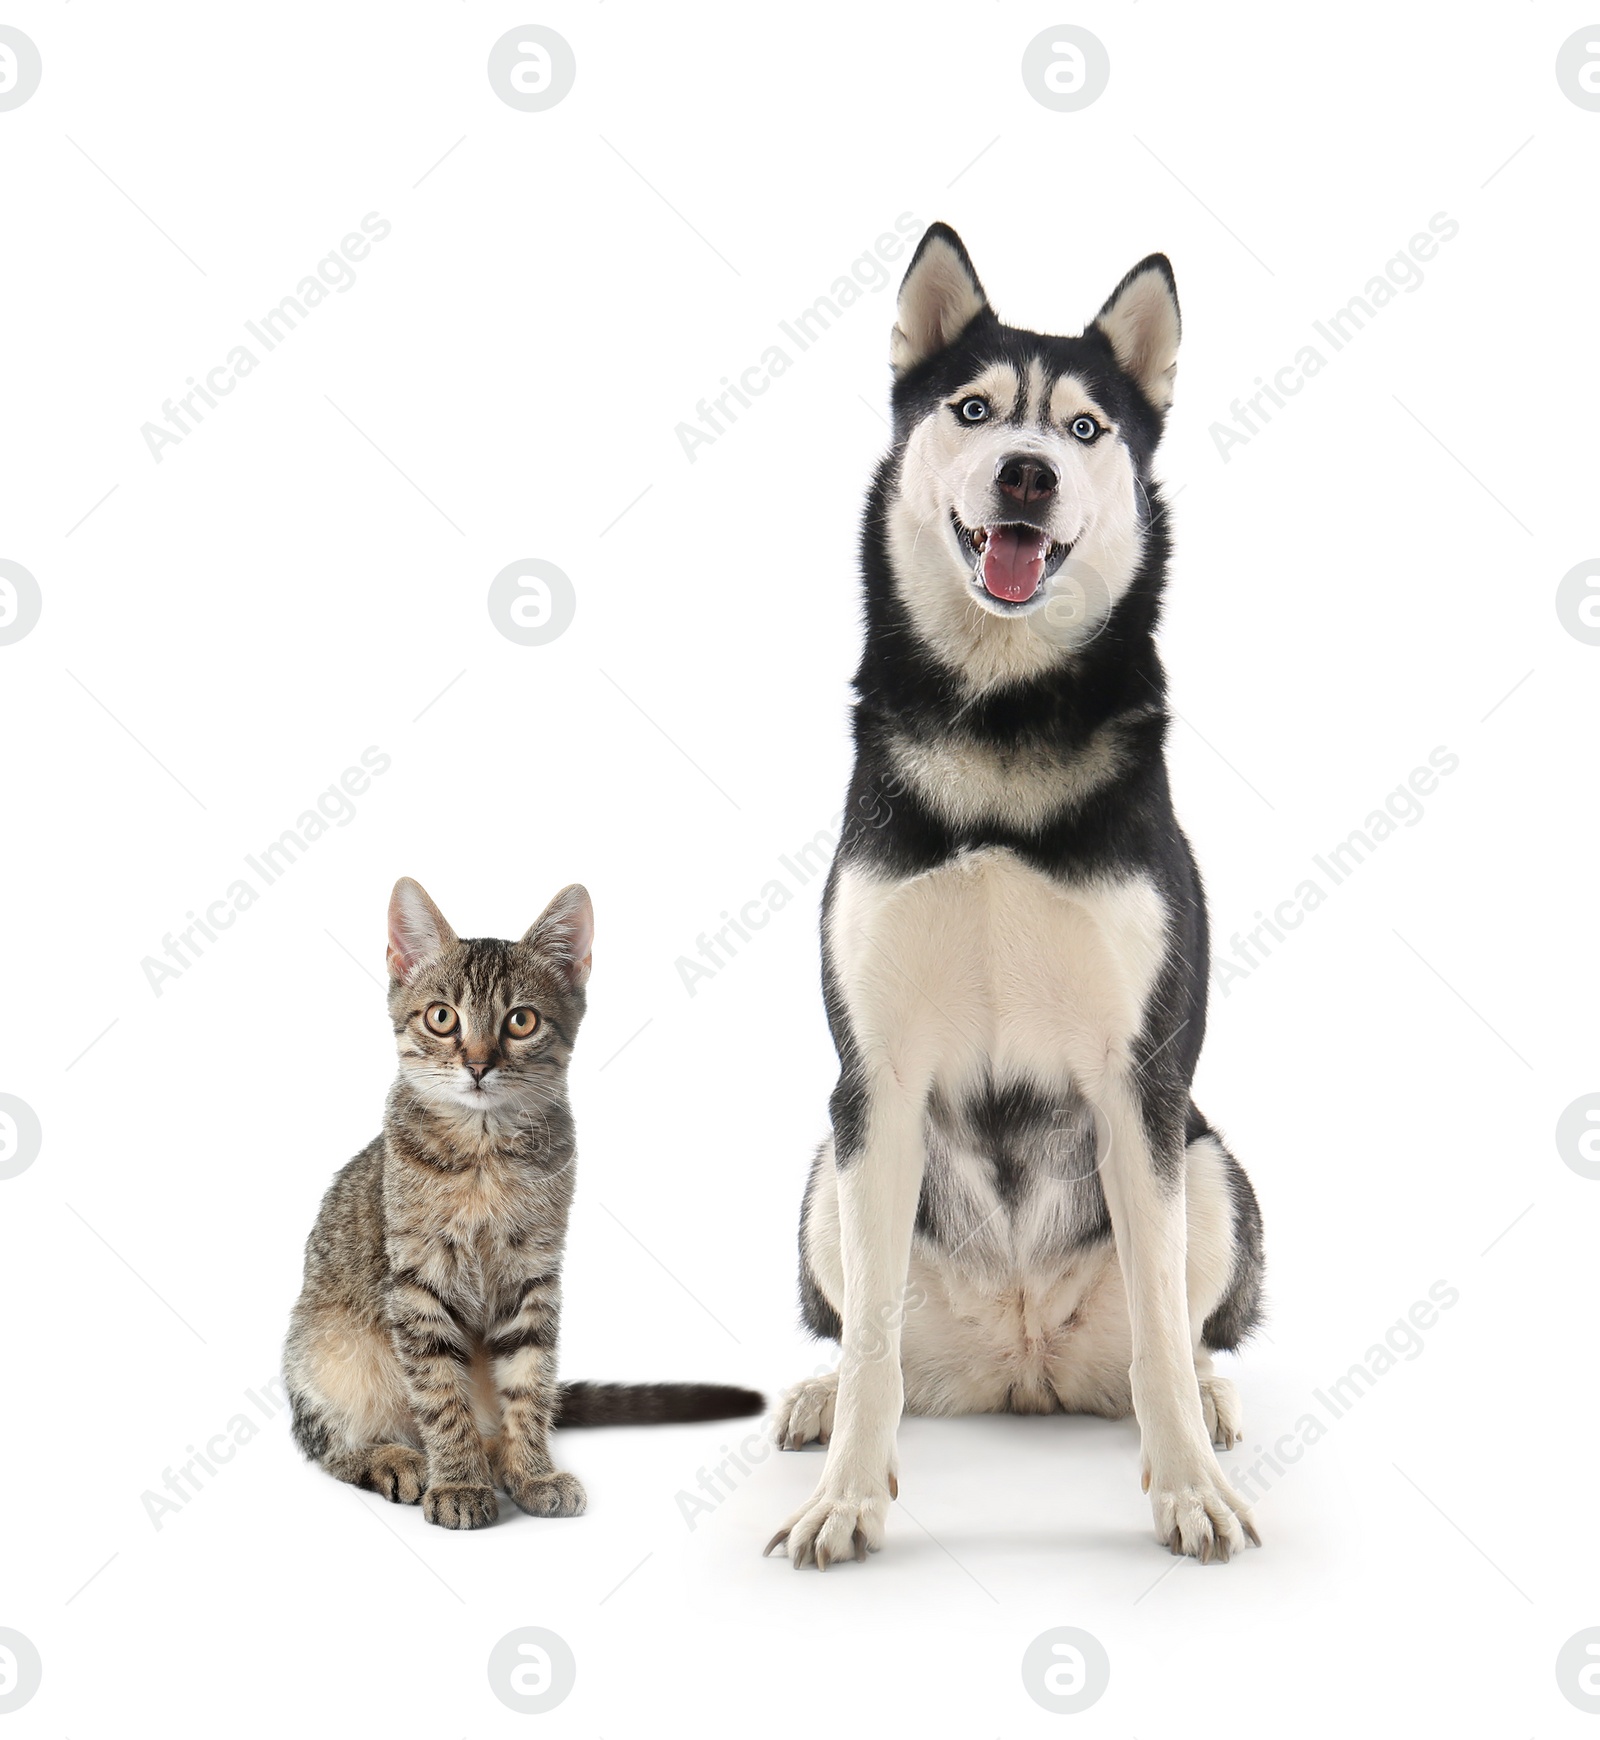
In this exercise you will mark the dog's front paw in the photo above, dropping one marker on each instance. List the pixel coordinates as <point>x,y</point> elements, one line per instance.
<point>460,1507</point>
<point>553,1494</point>
<point>1198,1513</point>
<point>834,1525</point>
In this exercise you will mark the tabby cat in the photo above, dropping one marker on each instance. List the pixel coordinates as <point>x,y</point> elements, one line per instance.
<point>421,1358</point>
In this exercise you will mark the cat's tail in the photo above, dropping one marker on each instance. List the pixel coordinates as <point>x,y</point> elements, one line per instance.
<point>589,1404</point>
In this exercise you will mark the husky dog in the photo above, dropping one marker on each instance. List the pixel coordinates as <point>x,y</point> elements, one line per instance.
<point>1020,1207</point>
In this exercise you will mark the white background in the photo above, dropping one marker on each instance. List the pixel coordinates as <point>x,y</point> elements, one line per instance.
<point>1370,577</point>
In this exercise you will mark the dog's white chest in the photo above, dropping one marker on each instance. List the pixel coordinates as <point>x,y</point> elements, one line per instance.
<point>987,967</point>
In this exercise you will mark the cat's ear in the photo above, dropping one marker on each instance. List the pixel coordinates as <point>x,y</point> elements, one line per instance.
<point>565,931</point>
<point>418,930</point>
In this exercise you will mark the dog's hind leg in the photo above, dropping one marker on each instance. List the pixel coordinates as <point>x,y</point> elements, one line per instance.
<point>805,1415</point>
<point>1229,1318</point>
<point>1145,1172</point>
<point>1224,1271</point>
<point>1219,1402</point>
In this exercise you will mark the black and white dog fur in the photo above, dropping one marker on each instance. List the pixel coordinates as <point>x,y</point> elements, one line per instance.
<point>1019,1208</point>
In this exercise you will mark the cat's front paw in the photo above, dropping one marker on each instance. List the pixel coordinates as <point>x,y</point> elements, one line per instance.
<point>552,1494</point>
<point>398,1473</point>
<point>460,1507</point>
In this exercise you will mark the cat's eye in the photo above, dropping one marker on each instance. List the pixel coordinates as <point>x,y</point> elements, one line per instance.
<point>521,1022</point>
<point>440,1018</point>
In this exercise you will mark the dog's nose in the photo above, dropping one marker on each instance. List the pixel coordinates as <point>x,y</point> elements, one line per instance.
<point>1025,479</point>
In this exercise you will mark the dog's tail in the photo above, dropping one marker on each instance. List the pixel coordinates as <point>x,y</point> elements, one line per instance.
<point>591,1404</point>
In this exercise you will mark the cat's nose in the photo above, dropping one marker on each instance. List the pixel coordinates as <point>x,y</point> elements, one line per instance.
<point>479,1070</point>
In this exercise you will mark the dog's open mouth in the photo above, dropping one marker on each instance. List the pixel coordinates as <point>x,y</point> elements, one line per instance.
<point>1010,560</point>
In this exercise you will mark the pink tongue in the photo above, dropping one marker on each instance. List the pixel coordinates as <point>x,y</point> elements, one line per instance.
<point>1013,563</point>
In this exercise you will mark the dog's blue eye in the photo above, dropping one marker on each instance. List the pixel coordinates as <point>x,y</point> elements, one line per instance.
<point>974,410</point>
<point>1085,428</point>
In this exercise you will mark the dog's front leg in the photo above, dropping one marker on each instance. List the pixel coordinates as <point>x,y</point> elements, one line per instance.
<point>878,1135</point>
<point>1142,1171</point>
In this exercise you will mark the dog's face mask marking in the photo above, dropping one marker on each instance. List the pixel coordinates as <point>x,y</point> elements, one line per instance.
<point>1025,468</point>
<point>1018,514</point>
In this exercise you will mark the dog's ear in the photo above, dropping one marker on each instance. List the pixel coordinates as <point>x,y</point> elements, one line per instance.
<point>939,298</point>
<point>1141,320</point>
